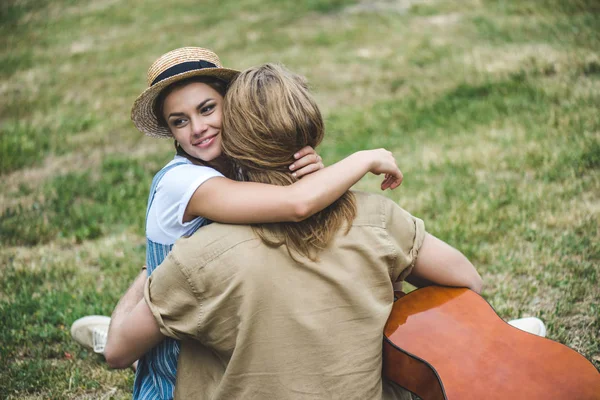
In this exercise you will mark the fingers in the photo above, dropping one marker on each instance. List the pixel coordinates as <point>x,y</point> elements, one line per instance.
<point>387,181</point>
<point>309,169</point>
<point>397,181</point>
<point>308,159</point>
<point>304,152</point>
<point>392,181</point>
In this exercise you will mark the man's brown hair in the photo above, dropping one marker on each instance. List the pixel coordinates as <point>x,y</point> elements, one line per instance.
<point>268,115</point>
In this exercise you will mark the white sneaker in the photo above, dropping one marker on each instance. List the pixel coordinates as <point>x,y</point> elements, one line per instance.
<point>91,332</point>
<point>531,325</point>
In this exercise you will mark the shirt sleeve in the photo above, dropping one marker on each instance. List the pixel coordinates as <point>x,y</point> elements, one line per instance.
<point>173,300</point>
<point>173,193</point>
<point>406,234</point>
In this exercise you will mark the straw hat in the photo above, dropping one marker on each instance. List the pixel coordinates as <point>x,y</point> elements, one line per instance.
<point>171,67</point>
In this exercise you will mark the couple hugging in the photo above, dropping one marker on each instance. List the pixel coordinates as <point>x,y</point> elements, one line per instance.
<point>286,294</point>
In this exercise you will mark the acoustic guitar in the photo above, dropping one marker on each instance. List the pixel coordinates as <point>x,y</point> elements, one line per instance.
<point>449,344</point>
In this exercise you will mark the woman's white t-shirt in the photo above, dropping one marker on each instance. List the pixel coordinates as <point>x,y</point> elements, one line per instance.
<point>165,218</point>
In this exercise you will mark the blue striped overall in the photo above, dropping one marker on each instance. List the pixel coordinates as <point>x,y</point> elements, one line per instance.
<point>157,369</point>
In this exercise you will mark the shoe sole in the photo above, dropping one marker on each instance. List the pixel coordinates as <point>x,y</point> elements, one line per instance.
<point>540,325</point>
<point>87,322</point>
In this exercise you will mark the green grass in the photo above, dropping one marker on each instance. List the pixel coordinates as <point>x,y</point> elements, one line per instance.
<point>47,293</point>
<point>21,142</point>
<point>491,108</point>
<point>82,205</point>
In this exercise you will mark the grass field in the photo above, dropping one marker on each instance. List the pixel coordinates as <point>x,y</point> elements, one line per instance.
<point>491,107</point>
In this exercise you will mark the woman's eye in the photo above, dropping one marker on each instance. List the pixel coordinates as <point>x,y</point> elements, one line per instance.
<point>178,122</point>
<point>207,109</point>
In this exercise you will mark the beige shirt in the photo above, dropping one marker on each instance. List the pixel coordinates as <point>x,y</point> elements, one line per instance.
<point>260,325</point>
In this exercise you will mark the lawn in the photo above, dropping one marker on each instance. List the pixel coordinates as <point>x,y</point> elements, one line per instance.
<point>491,108</point>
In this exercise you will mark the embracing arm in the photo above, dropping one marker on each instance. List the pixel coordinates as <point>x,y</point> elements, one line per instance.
<point>441,264</point>
<point>133,329</point>
<point>228,201</point>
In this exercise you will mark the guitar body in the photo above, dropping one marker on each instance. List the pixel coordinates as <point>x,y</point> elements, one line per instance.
<point>449,344</point>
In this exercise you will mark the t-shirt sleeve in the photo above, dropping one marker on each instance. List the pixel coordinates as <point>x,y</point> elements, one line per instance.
<point>173,301</point>
<point>173,193</point>
<point>406,234</point>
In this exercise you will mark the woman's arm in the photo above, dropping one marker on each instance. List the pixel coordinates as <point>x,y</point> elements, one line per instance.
<point>228,201</point>
<point>441,264</point>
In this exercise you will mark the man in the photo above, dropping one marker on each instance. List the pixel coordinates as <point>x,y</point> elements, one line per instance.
<point>282,311</point>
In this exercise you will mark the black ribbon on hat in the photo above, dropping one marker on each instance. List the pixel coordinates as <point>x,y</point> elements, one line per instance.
<point>181,68</point>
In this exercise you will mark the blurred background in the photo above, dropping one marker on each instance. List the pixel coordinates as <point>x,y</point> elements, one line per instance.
<point>491,108</point>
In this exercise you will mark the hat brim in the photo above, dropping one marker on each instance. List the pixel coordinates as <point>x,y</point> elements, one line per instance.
<point>142,112</point>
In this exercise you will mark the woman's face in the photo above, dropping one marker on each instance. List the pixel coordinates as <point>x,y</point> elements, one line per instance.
<point>193,113</point>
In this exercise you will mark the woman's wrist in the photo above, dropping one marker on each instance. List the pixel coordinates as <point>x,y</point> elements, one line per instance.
<point>368,159</point>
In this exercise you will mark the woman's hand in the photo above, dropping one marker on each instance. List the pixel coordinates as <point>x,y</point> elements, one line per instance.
<point>307,162</point>
<point>380,161</point>
<point>383,162</point>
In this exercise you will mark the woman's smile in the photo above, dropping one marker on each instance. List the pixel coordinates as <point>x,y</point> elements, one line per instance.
<point>206,142</point>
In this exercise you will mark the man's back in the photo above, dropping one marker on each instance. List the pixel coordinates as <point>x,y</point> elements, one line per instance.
<point>276,327</point>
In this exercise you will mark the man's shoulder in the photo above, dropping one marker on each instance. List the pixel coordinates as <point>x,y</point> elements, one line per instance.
<point>372,209</point>
<point>211,241</point>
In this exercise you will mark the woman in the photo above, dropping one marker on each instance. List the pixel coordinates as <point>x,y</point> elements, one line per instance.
<point>184,101</point>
